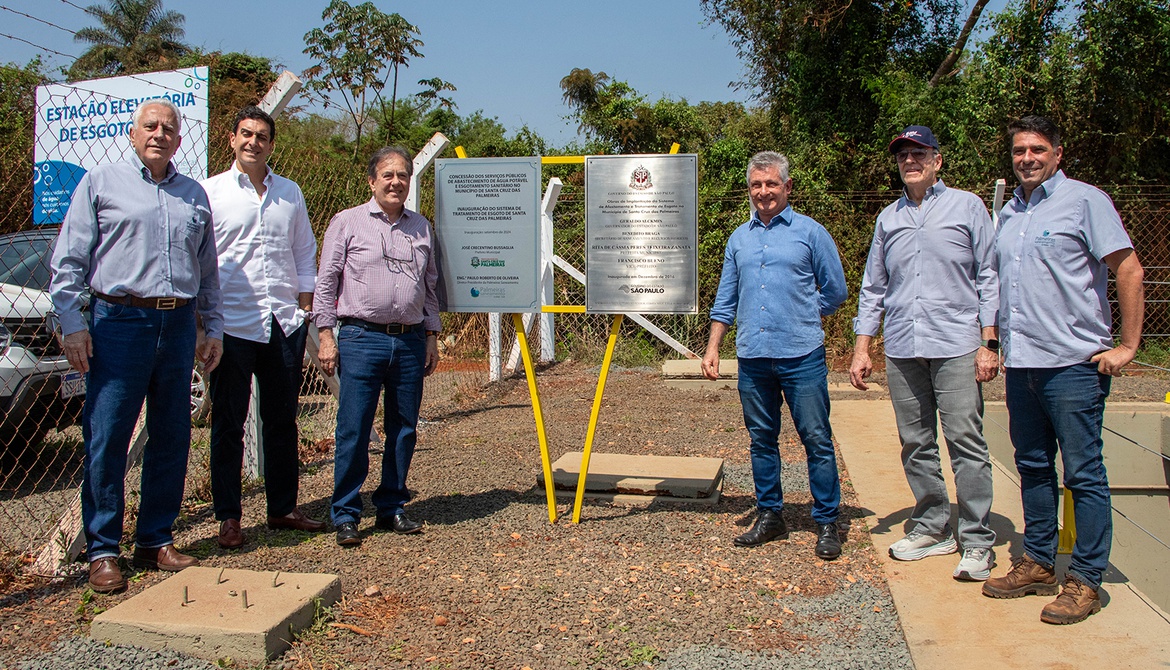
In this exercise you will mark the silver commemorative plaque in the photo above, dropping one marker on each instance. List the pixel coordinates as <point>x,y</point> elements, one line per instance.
<point>641,234</point>
<point>487,220</point>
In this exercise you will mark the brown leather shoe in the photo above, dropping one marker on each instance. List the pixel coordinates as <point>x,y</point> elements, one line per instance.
<point>1026,577</point>
<point>105,576</point>
<point>165,558</point>
<point>230,536</point>
<point>1074,604</point>
<point>295,520</point>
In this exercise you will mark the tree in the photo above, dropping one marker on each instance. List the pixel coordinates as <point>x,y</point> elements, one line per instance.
<point>357,51</point>
<point>235,80</point>
<point>403,45</point>
<point>135,36</point>
<point>18,95</point>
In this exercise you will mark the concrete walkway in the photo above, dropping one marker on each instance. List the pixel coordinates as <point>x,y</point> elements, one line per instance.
<point>950,624</point>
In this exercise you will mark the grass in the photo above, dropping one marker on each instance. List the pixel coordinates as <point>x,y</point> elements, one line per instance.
<point>1154,352</point>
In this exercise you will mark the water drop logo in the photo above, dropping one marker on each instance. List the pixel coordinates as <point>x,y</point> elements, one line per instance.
<point>1046,233</point>
<point>474,292</point>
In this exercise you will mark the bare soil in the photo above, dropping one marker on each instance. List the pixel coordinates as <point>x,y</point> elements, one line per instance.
<point>491,583</point>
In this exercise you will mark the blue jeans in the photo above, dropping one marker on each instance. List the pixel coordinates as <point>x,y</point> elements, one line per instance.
<point>138,355</point>
<point>802,382</point>
<point>1051,408</point>
<point>371,362</point>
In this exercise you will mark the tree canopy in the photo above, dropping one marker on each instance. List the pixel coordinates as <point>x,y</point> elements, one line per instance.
<point>134,36</point>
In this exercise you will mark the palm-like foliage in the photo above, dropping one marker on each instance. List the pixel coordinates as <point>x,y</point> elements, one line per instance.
<point>134,36</point>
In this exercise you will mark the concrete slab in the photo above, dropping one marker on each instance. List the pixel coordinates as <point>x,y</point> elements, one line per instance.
<point>214,623</point>
<point>635,500</point>
<point>677,476</point>
<point>950,624</point>
<point>692,368</point>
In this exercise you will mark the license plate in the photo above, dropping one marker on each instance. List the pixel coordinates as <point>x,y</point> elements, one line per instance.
<point>72,384</point>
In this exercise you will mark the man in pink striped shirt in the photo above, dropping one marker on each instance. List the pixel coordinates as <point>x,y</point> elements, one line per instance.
<point>377,280</point>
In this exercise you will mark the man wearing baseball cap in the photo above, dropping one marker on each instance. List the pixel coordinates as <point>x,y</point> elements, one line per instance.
<point>931,272</point>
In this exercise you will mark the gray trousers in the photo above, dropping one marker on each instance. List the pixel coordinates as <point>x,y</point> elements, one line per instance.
<point>925,390</point>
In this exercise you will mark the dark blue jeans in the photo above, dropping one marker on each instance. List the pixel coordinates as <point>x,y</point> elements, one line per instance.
<point>371,363</point>
<point>802,382</point>
<point>1062,408</point>
<point>277,367</point>
<point>138,355</point>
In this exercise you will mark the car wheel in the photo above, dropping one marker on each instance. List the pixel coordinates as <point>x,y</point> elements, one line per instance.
<point>200,400</point>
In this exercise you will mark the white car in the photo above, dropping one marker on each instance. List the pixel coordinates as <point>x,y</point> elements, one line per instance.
<point>38,389</point>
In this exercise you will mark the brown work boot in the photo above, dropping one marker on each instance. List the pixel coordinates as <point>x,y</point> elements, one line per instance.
<point>1077,600</point>
<point>1026,577</point>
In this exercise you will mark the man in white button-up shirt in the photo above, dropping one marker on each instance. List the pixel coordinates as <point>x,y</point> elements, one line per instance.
<point>267,266</point>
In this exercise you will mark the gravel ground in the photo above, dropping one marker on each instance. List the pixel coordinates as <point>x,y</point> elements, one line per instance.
<point>491,584</point>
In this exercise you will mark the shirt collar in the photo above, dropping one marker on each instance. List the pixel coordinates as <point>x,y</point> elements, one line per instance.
<point>932,191</point>
<point>245,181</point>
<point>1047,188</point>
<point>137,162</point>
<point>785,217</point>
<point>375,210</point>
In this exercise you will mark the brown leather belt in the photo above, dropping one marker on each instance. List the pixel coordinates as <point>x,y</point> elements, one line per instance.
<point>388,328</point>
<point>148,303</point>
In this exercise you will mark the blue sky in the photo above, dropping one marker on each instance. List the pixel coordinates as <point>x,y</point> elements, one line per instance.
<point>506,57</point>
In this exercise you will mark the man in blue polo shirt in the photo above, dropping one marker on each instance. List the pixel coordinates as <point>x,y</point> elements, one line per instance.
<point>1057,242</point>
<point>781,275</point>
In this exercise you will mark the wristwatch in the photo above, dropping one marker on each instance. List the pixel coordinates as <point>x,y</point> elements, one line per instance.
<point>991,345</point>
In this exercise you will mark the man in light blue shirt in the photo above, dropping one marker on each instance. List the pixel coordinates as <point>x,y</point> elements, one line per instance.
<point>139,235</point>
<point>1057,242</point>
<point>781,275</point>
<point>931,271</point>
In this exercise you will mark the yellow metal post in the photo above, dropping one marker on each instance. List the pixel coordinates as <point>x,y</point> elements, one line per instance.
<point>589,434</point>
<point>461,152</point>
<point>538,413</point>
<point>674,148</point>
<point>1068,534</point>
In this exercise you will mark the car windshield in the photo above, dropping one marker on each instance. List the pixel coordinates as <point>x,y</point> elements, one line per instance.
<point>24,261</point>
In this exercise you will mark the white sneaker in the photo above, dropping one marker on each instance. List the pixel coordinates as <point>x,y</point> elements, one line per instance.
<point>916,546</point>
<point>976,565</point>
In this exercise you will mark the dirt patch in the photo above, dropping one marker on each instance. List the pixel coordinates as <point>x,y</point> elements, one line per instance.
<point>490,583</point>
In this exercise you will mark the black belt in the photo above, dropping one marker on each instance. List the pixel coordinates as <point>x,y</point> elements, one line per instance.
<point>388,328</point>
<point>149,303</point>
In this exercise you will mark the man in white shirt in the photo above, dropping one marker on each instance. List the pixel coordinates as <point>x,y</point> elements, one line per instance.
<point>267,265</point>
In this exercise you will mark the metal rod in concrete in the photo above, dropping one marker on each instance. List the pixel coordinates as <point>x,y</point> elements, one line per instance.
<point>186,599</point>
<point>219,579</point>
<point>245,599</point>
<point>274,578</point>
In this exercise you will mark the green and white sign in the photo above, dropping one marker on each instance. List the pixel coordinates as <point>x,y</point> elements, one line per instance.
<point>487,220</point>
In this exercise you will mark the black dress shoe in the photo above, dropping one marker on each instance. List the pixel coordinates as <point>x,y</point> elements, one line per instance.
<point>399,523</point>
<point>347,535</point>
<point>769,526</point>
<point>828,541</point>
